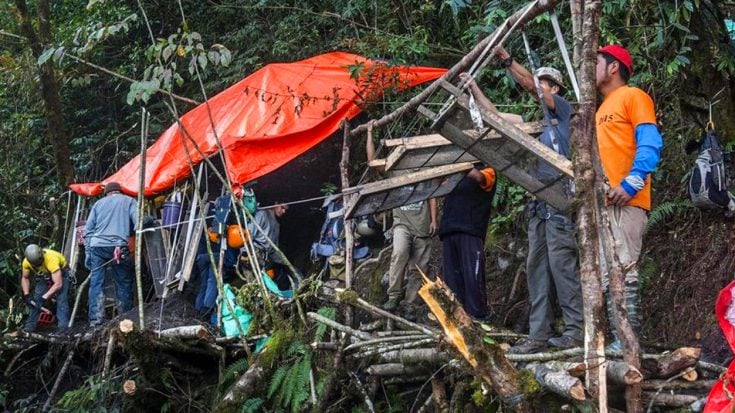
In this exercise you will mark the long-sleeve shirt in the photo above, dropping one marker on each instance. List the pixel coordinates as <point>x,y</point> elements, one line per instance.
<point>111,221</point>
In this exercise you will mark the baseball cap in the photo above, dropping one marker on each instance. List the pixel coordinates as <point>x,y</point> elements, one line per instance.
<point>619,52</point>
<point>551,74</point>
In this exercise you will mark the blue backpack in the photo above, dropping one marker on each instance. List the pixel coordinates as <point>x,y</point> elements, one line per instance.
<point>332,235</point>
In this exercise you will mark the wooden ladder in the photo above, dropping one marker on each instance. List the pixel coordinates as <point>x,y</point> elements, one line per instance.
<point>512,153</point>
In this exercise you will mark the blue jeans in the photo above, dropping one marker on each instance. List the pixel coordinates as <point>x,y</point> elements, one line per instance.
<point>62,302</point>
<point>207,295</point>
<point>98,258</point>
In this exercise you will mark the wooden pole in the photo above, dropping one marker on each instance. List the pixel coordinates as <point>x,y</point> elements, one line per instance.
<point>139,225</point>
<point>583,132</point>
<point>349,235</point>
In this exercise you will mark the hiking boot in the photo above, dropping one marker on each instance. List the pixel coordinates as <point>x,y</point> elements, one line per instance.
<point>564,342</point>
<point>390,305</point>
<point>528,346</point>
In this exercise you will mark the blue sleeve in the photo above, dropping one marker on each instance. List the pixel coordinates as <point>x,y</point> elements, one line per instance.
<point>647,155</point>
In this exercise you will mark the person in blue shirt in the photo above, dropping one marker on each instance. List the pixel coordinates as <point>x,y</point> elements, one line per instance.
<point>551,265</point>
<point>109,226</point>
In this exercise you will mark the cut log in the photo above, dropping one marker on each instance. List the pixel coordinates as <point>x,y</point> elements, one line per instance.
<point>690,375</point>
<point>669,364</point>
<point>620,372</point>
<point>558,381</point>
<point>574,369</point>
<point>126,326</point>
<point>129,387</point>
<point>487,360</point>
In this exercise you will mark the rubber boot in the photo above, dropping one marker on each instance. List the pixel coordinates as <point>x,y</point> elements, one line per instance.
<point>630,294</point>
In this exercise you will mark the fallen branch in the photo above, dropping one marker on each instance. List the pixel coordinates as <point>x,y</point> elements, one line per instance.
<point>384,340</point>
<point>658,392</point>
<point>339,327</point>
<point>60,377</point>
<point>108,353</point>
<point>711,367</point>
<point>669,400</point>
<point>361,388</point>
<point>317,345</point>
<point>395,369</point>
<point>350,297</point>
<point>243,388</point>
<point>677,384</point>
<point>415,356</point>
<point>197,331</point>
<point>401,346</point>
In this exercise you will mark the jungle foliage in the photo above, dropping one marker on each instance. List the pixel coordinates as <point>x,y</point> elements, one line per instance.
<point>683,56</point>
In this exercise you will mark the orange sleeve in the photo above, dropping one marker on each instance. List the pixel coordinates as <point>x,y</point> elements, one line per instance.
<point>489,174</point>
<point>640,108</point>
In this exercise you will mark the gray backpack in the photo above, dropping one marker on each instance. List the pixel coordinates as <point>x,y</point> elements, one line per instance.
<point>709,179</point>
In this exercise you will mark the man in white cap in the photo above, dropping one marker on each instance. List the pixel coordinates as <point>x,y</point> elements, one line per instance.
<point>551,265</point>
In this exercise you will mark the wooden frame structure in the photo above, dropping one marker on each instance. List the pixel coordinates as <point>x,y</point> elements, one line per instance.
<point>405,189</point>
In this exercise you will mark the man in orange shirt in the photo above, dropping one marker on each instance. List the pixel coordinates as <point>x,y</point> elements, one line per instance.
<point>630,144</point>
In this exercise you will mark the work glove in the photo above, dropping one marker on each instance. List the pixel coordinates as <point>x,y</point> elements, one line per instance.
<point>149,221</point>
<point>31,302</point>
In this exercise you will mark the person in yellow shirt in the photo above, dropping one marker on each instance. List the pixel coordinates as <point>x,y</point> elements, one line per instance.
<point>630,149</point>
<point>41,266</point>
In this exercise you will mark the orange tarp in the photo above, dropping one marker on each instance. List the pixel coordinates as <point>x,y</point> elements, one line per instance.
<point>264,121</point>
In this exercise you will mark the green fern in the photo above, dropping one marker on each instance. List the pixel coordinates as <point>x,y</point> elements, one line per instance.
<point>251,405</point>
<point>290,384</point>
<point>276,380</point>
<point>233,372</point>
<point>666,210</point>
<point>321,328</point>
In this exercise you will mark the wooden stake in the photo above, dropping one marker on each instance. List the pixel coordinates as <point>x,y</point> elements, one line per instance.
<point>145,116</point>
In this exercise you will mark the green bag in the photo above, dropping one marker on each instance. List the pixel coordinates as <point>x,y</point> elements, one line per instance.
<point>229,321</point>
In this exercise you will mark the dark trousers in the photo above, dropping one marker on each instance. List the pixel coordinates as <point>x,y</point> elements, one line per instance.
<point>98,260</point>
<point>62,302</point>
<point>463,270</point>
<point>552,267</point>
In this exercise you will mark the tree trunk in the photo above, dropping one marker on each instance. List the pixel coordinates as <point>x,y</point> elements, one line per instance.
<point>583,132</point>
<point>487,360</point>
<point>56,130</point>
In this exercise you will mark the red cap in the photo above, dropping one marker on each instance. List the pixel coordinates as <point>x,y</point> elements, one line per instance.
<point>620,53</point>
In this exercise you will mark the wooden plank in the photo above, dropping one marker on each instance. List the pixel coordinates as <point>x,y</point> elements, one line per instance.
<point>191,253</point>
<point>405,189</point>
<point>428,157</point>
<point>513,133</point>
<point>156,258</point>
<point>553,194</point>
<point>435,139</point>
